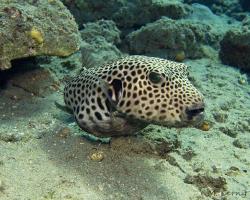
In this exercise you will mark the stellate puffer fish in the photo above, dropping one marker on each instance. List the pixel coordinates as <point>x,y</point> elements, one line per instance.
<point>124,96</point>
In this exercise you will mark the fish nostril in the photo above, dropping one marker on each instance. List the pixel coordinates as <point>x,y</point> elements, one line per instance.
<point>192,112</point>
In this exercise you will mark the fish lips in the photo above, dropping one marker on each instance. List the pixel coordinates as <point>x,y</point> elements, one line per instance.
<point>194,114</point>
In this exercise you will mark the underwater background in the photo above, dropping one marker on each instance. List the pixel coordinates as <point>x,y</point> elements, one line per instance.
<point>45,155</point>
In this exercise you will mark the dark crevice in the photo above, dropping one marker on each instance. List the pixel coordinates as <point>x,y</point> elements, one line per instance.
<point>19,66</point>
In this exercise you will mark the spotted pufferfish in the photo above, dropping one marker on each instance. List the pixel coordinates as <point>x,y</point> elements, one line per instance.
<point>123,96</point>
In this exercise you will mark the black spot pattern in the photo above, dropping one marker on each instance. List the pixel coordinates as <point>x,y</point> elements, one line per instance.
<point>162,101</point>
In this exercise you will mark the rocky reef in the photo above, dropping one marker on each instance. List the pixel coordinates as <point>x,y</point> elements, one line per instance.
<point>234,8</point>
<point>125,13</point>
<point>167,37</point>
<point>33,28</point>
<point>235,48</point>
<point>100,40</point>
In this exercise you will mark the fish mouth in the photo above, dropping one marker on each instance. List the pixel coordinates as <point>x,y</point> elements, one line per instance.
<point>194,114</point>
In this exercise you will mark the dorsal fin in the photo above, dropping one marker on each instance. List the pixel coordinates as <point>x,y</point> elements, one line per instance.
<point>87,60</point>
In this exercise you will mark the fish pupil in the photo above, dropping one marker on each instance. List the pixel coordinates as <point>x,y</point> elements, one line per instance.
<point>154,77</point>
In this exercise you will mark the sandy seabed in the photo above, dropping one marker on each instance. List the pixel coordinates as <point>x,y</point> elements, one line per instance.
<point>43,154</point>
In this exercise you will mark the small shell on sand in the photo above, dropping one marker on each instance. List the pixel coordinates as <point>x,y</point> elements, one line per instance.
<point>242,81</point>
<point>97,156</point>
<point>205,126</point>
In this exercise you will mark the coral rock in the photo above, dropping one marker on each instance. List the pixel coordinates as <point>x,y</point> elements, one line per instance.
<point>167,37</point>
<point>99,41</point>
<point>235,48</point>
<point>125,13</point>
<point>31,28</point>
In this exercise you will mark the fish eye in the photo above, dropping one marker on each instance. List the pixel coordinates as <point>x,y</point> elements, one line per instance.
<point>155,77</point>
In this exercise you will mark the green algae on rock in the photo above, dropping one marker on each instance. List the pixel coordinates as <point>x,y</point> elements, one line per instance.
<point>31,28</point>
